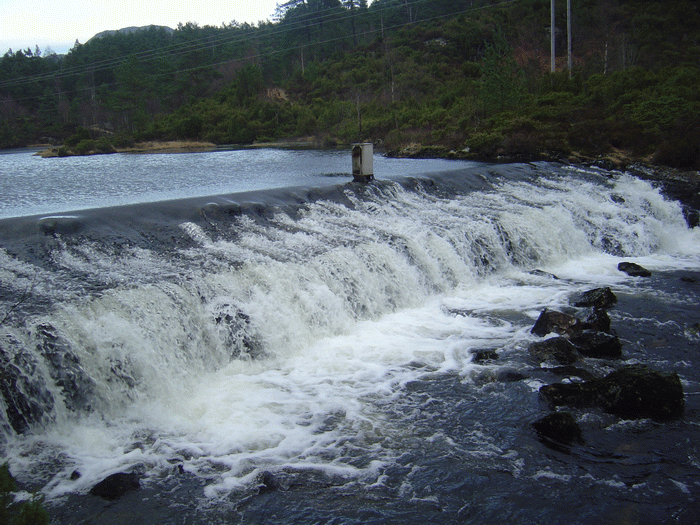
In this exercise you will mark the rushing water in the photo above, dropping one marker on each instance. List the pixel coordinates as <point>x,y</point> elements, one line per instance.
<point>306,355</point>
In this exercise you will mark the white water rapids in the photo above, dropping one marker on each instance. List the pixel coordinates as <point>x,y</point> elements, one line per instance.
<point>280,345</point>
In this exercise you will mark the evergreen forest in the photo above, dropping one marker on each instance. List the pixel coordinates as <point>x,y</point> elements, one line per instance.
<point>457,78</point>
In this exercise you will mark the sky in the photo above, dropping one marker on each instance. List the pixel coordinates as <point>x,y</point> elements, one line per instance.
<point>59,23</point>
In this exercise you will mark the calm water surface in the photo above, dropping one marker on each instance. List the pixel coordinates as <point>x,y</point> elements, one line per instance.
<point>30,185</point>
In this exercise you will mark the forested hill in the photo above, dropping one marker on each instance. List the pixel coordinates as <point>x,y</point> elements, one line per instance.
<point>424,77</point>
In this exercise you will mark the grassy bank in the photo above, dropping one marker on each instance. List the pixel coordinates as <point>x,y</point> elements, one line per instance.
<point>175,146</point>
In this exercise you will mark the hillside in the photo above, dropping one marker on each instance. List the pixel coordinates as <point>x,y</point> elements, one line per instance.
<point>465,79</point>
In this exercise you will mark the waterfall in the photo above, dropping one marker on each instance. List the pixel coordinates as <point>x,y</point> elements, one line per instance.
<point>263,332</point>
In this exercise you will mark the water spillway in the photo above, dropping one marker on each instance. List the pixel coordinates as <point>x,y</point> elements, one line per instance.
<point>319,342</point>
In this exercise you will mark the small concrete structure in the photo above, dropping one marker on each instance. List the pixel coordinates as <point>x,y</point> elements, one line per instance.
<point>362,156</point>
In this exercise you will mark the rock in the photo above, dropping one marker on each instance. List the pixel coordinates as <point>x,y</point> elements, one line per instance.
<point>115,486</point>
<point>65,368</point>
<point>591,343</point>
<point>692,217</point>
<point>618,199</point>
<point>597,320</point>
<point>551,321</point>
<point>572,373</point>
<point>577,395</point>
<point>27,397</point>
<point>510,376</point>
<point>237,332</point>
<point>269,482</point>
<point>633,392</point>
<point>693,331</point>
<point>633,269</point>
<point>541,273</point>
<point>597,298</point>
<point>560,427</point>
<point>481,356</point>
<point>557,349</point>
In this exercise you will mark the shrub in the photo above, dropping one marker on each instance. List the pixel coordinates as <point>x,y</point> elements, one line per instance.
<point>80,135</point>
<point>122,141</point>
<point>485,144</point>
<point>84,147</point>
<point>30,513</point>
<point>104,145</point>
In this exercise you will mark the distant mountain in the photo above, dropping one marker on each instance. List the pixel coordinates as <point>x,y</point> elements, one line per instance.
<point>129,30</point>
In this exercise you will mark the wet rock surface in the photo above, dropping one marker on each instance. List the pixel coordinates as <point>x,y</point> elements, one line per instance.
<point>560,427</point>
<point>633,269</point>
<point>115,486</point>
<point>632,392</point>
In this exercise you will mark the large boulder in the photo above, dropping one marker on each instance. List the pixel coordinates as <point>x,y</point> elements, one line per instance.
<point>635,392</point>
<point>632,392</point>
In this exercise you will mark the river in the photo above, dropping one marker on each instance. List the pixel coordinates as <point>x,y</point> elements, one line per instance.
<point>262,340</point>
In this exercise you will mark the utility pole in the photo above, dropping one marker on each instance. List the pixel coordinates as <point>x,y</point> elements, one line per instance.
<point>552,30</point>
<point>568,34</point>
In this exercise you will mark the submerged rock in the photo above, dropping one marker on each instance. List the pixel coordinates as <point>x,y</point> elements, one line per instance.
<point>633,269</point>
<point>633,392</point>
<point>560,427</point>
<point>115,486</point>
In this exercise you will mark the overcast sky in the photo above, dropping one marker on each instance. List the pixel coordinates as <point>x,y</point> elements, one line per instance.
<point>58,23</point>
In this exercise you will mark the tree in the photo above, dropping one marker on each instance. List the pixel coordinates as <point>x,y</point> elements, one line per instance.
<point>502,84</point>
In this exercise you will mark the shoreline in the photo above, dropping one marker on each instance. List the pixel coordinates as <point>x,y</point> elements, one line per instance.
<point>47,151</point>
<point>139,147</point>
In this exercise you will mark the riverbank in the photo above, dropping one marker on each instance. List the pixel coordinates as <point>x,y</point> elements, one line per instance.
<point>177,146</point>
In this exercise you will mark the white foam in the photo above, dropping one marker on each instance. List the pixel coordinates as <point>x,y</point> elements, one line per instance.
<point>349,304</point>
